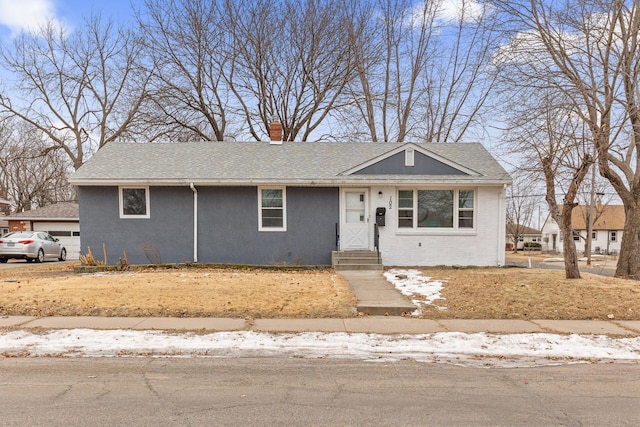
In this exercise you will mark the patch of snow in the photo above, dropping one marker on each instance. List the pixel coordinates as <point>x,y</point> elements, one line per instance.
<point>463,349</point>
<point>594,256</point>
<point>412,282</point>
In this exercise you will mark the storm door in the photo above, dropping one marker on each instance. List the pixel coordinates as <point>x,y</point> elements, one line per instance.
<point>355,220</point>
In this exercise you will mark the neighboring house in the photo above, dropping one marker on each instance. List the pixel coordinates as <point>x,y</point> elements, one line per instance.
<point>4,222</point>
<point>527,234</point>
<point>607,230</point>
<point>60,220</point>
<point>275,202</point>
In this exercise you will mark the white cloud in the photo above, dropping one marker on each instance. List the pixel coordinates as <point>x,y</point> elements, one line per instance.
<point>26,14</point>
<point>445,12</point>
<point>457,10</point>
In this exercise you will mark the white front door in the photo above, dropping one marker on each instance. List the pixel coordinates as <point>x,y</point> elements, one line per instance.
<point>355,221</point>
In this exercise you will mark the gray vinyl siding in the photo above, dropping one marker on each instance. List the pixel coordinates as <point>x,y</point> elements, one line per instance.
<point>230,217</point>
<point>423,165</point>
<point>227,226</point>
<point>166,236</point>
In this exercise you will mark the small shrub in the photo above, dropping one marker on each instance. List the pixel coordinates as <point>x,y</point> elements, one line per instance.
<point>152,253</point>
<point>123,263</point>
<point>89,259</point>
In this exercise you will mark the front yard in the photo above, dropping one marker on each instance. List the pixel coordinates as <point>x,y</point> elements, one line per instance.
<point>52,289</point>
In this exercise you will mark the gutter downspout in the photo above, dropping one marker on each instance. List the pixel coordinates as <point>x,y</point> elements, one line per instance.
<point>502,226</point>
<point>195,222</point>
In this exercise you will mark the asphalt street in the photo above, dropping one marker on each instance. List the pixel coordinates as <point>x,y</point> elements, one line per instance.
<point>255,391</point>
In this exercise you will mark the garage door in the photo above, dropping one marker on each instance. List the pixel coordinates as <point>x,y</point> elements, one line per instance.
<point>67,232</point>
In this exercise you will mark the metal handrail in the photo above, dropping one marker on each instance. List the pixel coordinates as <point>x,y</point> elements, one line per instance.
<point>376,240</point>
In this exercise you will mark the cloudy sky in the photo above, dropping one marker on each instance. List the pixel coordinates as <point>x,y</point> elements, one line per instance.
<point>17,15</point>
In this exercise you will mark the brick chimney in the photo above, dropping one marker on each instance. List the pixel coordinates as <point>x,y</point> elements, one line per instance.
<point>275,131</point>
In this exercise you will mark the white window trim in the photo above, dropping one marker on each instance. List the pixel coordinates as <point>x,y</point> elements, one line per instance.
<point>147,202</point>
<point>455,230</point>
<point>284,208</point>
<point>456,208</point>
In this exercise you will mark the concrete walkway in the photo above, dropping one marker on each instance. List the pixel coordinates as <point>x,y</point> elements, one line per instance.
<point>376,296</point>
<point>364,324</point>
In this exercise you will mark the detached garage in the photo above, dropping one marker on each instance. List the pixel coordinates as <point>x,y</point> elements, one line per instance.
<point>61,220</point>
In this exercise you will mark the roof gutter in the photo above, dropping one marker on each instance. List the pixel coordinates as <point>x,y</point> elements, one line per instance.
<point>195,221</point>
<point>322,182</point>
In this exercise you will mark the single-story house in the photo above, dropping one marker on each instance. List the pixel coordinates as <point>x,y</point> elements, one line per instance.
<point>265,203</point>
<point>606,235</point>
<point>527,234</point>
<point>61,220</point>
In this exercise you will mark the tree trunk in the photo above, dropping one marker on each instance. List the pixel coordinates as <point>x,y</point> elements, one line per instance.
<point>628,266</point>
<point>569,247</point>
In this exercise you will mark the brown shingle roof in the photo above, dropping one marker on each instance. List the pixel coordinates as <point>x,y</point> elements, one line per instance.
<point>526,230</point>
<point>59,211</point>
<point>608,217</point>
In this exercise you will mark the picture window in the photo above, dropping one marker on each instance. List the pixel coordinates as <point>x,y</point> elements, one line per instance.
<point>419,209</point>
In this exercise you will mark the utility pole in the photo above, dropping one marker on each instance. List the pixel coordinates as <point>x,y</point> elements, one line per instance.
<point>587,244</point>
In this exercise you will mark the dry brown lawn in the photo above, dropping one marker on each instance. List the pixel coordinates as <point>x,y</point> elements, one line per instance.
<point>475,293</point>
<point>523,293</point>
<point>50,289</point>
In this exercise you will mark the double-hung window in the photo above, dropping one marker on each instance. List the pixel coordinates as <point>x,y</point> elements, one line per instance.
<point>134,202</point>
<point>465,208</point>
<point>432,209</point>
<point>272,209</point>
<point>405,208</point>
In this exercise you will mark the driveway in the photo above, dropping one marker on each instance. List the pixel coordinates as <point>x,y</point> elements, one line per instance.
<point>17,263</point>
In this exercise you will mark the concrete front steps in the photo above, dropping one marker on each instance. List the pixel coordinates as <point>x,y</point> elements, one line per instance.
<point>375,295</point>
<point>356,260</point>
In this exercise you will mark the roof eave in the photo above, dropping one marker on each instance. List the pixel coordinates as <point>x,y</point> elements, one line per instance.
<point>32,218</point>
<point>352,180</point>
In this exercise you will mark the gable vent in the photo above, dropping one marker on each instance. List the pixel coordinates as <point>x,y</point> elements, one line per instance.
<point>409,157</point>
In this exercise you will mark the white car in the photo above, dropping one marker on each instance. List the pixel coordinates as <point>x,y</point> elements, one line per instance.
<point>35,246</point>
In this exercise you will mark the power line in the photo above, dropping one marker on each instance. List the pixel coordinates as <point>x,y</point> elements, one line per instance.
<point>544,195</point>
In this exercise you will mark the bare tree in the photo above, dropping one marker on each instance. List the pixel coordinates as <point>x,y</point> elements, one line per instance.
<point>592,196</point>
<point>31,174</point>
<point>291,61</point>
<point>520,207</point>
<point>81,89</point>
<point>589,51</point>
<point>550,140</point>
<point>422,73</point>
<point>186,41</point>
